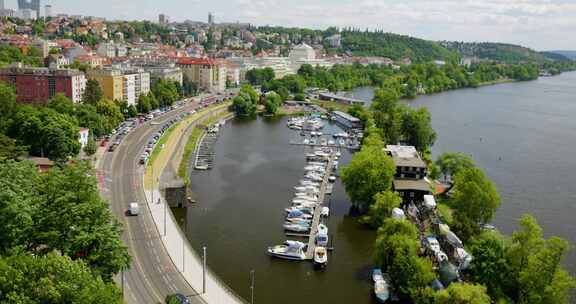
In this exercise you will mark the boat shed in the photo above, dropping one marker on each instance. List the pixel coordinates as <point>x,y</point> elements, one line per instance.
<point>408,162</point>
<point>347,120</point>
<point>412,190</point>
<point>340,99</point>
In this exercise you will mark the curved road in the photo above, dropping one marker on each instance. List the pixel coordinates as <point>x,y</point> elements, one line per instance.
<point>152,274</point>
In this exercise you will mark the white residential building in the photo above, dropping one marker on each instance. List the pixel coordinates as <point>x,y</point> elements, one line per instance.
<point>129,89</point>
<point>112,50</point>
<point>302,52</point>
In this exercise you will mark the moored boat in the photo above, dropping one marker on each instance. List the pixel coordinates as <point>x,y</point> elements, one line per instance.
<point>381,287</point>
<point>290,251</point>
<point>320,257</point>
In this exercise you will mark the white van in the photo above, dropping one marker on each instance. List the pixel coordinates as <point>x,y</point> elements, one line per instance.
<point>134,209</point>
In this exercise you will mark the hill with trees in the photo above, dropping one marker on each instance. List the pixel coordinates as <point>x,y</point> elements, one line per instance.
<point>568,54</point>
<point>394,46</point>
<point>501,52</point>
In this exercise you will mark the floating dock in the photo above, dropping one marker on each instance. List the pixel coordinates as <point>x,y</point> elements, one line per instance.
<point>318,210</point>
<point>205,152</point>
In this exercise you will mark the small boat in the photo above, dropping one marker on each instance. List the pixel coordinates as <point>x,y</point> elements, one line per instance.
<point>381,287</point>
<point>303,210</point>
<point>298,214</point>
<point>320,257</point>
<point>331,142</point>
<point>332,178</point>
<point>298,221</point>
<point>325,212</point>
<point>292,251</point>
<point>322,229</point>
<point>306,141</point>
<point>296,227</point>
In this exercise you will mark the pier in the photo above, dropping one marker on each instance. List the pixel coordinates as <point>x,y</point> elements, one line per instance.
<point>318,210</point>
<point>205,152</point>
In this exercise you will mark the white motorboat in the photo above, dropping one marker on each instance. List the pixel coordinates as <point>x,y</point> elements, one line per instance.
<point>291,251</point>
<point>322,229</point>
<point>299,221</point>
<point>320,257</point>
<point>296,227</point>
<point>325,212</point>
<point>303,210</point>
<point>331,142</point>
<point>299,214</point>
<point>306,141</point>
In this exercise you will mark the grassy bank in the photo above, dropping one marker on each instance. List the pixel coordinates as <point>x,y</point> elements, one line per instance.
<point>192,141</point>
<point>163,138</point>
<point>332,105</point>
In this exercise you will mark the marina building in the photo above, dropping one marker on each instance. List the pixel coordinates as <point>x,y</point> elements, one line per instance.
<point>348,121</point>
<point>411,171</point>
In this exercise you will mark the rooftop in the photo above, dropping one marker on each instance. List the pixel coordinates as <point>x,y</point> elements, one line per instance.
<point>346,116</point>
<point>405,156</point>
<point>418,185</point>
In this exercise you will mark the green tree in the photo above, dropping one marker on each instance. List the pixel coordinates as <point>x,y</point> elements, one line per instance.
<point>144,105</point>
<point>18,202</point>
<point>388,235</point>
<point>7,105</point>
<point>91,146</point>
<point>9,148</point>
<point>132,111</point>
<point>381,209</point>
<point>475,201</point>
<point>111,111</point>
<point>536,266</point>
<point>61,104</point>
<point>88,117</point>
<point>370,171</point>
<point>417,129</point>
<point>93,92</point>
<point>73,219</point>
<point>450,164</point>
<point>52,279</point>
<point>166,92</point>
<point>272,103</point>
<point>46,132</point>
<point>463,293</point>
<point>490,266</point>
<point>387,113</point>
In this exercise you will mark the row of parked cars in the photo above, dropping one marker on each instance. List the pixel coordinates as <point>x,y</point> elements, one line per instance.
<point>156,137</point>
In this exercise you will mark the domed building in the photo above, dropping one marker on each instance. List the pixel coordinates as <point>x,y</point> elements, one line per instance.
<point>302,52</point>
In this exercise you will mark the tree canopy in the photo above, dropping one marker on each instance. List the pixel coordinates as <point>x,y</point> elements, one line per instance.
<point>475,201</point>
<point>370,172</point>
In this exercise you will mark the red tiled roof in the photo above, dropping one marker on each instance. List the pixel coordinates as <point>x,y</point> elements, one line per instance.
<point>195,61</point>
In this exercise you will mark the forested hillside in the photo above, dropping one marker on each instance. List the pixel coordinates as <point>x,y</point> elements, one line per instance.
<point>502,52</point>
<point>394,46</point>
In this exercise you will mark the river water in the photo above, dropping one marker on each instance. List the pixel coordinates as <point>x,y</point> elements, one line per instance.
<point>522,134</point>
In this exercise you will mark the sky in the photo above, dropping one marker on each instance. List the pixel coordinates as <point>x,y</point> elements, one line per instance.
<point>539,24</point>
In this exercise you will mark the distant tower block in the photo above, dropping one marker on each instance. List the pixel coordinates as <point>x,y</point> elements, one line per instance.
<point>48,10</point>
<point>2,7</point>
<point>211,18</point>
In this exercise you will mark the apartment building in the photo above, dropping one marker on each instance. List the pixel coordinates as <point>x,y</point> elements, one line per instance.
<point>38,85</point>
<point>111,82</point>
<point>209,75</point>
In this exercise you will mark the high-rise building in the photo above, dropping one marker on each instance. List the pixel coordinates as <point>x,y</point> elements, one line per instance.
<point>163,19</point>
<point>48,10</point>
<point>31,5</point>
<point>2,5</point>
<point>210,18</point>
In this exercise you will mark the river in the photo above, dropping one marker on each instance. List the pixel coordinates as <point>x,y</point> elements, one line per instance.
<point>522,134</point>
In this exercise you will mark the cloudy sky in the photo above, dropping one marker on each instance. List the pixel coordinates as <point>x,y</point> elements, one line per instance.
<point>540,24</point>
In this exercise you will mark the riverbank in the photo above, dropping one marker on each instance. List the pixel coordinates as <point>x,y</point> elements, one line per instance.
<point>175,242</point>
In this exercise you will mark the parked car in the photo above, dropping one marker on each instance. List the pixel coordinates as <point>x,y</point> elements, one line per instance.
<point>177,299</point>
<point>134,209</point>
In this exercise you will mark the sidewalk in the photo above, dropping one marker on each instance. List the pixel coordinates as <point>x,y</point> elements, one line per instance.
<point>186,260</point>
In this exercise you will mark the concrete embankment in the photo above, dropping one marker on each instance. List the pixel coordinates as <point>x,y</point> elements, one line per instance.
<point>174,239</point>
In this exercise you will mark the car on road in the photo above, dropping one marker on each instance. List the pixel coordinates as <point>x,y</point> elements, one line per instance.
<point>177,299</point>
<point>134,209</point>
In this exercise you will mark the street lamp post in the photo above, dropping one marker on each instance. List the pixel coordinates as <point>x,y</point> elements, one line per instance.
<point>204,269</point>
<point>252,279</point>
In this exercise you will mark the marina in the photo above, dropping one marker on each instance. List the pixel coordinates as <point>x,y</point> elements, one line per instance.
<point>305,218</point>
<point>205,152</point>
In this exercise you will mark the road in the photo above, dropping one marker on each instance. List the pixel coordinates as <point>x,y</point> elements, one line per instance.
<point>152,274</point>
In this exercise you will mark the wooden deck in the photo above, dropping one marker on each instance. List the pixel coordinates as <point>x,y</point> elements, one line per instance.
<point>318,210</point>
